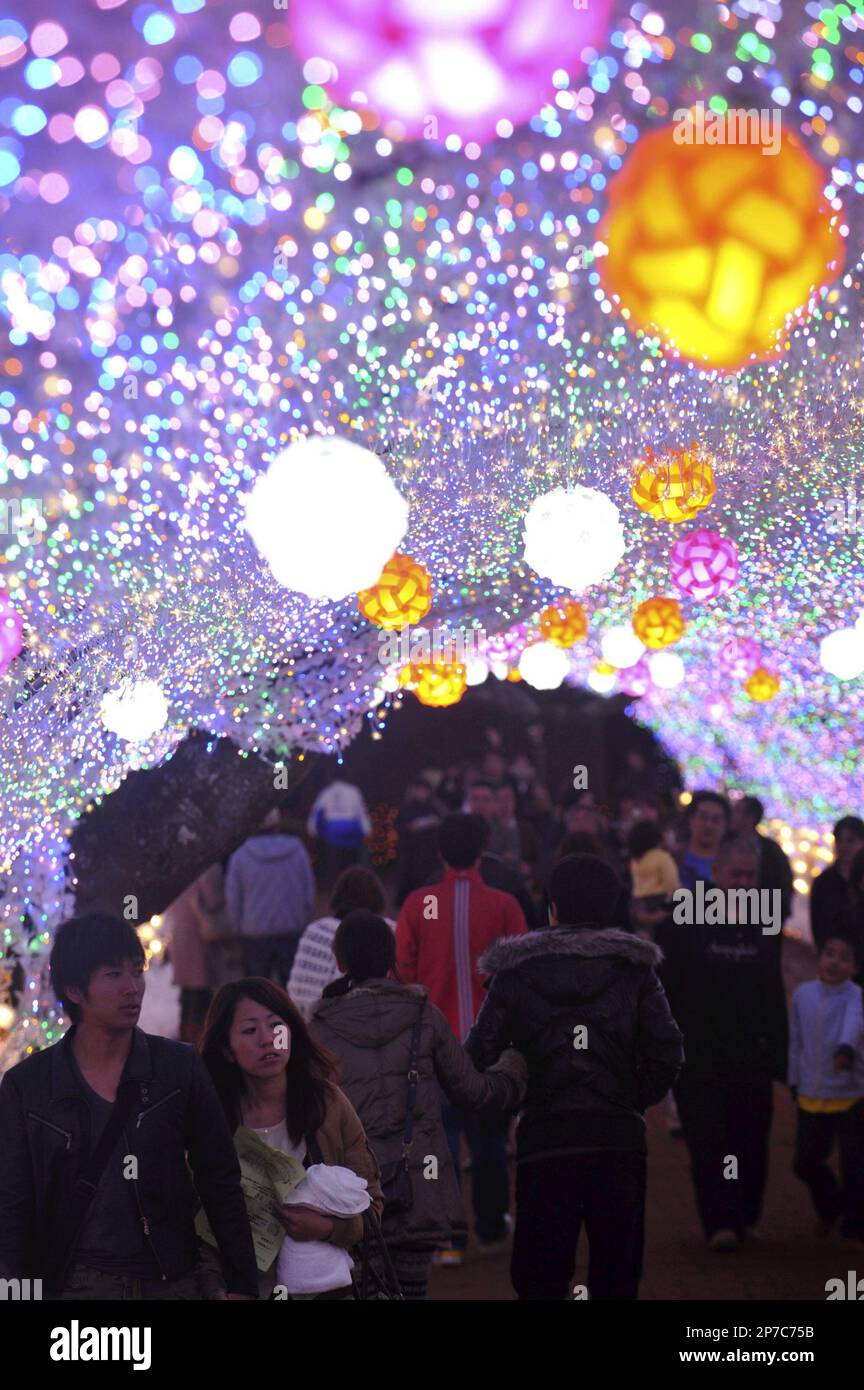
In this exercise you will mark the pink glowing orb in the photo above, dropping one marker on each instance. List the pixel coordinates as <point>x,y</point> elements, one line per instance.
<point>704,564</point>
<point>442,67</point>
<point>506,647</point>
<point>11,628</point>
<point>635,680</point>
<point>739,657</point>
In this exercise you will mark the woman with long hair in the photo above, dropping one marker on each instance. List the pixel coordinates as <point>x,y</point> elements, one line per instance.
<point>395,1050</point>
<point>273,1078</point>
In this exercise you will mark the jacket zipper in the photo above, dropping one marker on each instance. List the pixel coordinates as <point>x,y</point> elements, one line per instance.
<point>145,1226</point>
<point>31,1115</point>
<point>151,1108</point>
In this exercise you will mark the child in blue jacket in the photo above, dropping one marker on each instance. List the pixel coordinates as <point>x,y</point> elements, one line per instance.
<point>826,1075</point>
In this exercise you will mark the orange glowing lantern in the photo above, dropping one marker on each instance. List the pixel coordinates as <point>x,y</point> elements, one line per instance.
<point>658,622</point>
<point>714,236</point>
<point>675,486</point>
<point>762,685</point>
<point>436,683</point>
<point>564,623</point>
<point>402,594</point>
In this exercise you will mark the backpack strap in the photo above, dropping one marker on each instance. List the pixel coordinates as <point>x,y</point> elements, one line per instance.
<point>413,1081</point>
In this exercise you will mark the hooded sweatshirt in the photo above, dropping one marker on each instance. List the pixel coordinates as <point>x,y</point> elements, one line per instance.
<point>270,888</point>
<point>825,1018</point>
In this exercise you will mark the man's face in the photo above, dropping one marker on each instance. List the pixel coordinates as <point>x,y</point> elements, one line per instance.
<point>846,846</point>
<point>584,816</point>
<point>742,821</point>
<point>707,826</point>
<point>114,996</point>
<point>481,802</point>
<point>737,871</point>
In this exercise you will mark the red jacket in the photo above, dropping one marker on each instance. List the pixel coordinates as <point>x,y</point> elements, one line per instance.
<point>442,930</point>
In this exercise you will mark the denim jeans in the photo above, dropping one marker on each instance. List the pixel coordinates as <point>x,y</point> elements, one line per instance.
<point>93,1285</point>
<point>269,956</point>
<point>486,1136</point>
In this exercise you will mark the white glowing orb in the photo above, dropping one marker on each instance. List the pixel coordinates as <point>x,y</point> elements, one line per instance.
<point>573,538</point>
<point>841,653</point>
<point>544,666</point>
<point>326,516</point>
<point>667,669</point>
<point>601,681</point>
<point>136,711</point>
<point>621,647</point>
<point>476,670</point>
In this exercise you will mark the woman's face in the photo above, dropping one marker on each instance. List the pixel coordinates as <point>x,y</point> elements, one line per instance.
<point>259,1041</point>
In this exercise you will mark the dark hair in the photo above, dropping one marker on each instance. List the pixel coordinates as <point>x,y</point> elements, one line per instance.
<point>84,945</point>
<point>579,842</point>
<point>742,845</point>
<point>583,888</point>
<point>461,839</point>
<point>701,798</point>
<point>644,836</point>
<point>856,873</point>
<point>846,939</point>
<point>753,806</point>
<point>365,946</point>
<point>356,888</point>
<point>309,1065</point>
<point>853,823</point>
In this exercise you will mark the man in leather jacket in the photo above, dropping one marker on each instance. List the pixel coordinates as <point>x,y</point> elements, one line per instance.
<point>584,1006</point>
<point>96,1196</point>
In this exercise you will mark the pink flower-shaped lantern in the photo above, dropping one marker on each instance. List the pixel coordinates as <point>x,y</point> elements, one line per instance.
<point>442,67</point>
<point>739,657</point>
<point>704,564</point>
<point>11,628</point>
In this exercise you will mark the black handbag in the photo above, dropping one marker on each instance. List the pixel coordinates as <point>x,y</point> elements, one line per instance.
<point>376,1280</point>
<point>396,1187</point>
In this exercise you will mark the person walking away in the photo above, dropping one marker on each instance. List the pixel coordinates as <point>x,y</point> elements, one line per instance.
<point>441,932</point>
<point>198,933</point>
<point>826,1076</point>
<point>829,895</point>
<point>340,822</point>
<point>582,1002</point>
<point>74,1211</point>
<point>314,964</point>
<point>726,991</point>
<point>397,1052</point>
<point>775,871</point>
<point>269,893</point>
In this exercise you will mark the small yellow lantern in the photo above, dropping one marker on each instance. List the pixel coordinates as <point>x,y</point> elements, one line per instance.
<point>658,622</point>
<point>674,486</point>
<point>401,596</point>
<point>564,623</point>
<point>762,685</point>
<point>436,683</point>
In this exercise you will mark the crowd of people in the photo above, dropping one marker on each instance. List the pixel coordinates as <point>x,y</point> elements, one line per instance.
<point>359,1042</point>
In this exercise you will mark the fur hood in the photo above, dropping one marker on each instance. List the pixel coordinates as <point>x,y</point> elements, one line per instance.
<point>586,942</point>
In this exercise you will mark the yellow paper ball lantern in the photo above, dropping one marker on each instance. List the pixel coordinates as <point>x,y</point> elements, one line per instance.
<point>564,623</point>
<point>712,245</point>
<point>658,622</point>
<point>402,594</point>
<point>762,685</point>
<point>676,485</point>
<point>437,683</point>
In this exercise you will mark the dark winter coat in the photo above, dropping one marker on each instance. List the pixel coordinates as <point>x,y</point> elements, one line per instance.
<point>588,1013</point>
<point>369,1030</point>
<point>45,1143</point>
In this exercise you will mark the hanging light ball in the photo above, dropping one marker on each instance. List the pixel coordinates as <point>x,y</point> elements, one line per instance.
<point>739,657</point>
<point>675,485</point>
<point>601,678</point>
<point>704,564</point>
<point>436,683</point>
<point>503,647</point>
<point>658,622</point>
<point>841,653</point>
<point>713,245</point>
<point>621,647</point>
<point>573,538</point>
<point>667,669</point>
<point>564,623</point>
<point>455,67</point>
<point>635,680</point>
<point>326,516</point>
<point>762,685</point>
<point>401,596</point>
<point>11,633</point>
<point>543,665</point>
<point>135,711</point>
